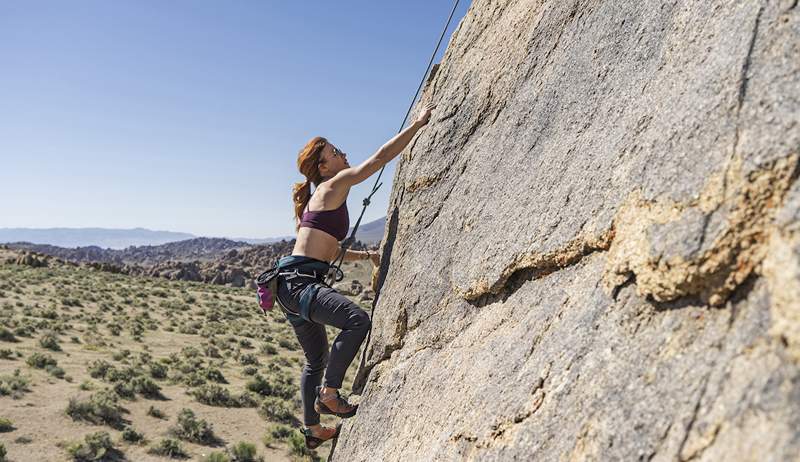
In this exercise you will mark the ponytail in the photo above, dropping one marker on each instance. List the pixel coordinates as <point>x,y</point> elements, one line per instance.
<point>308,165</point>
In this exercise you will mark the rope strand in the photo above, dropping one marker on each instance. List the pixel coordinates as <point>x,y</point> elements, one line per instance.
<point>337,272</point>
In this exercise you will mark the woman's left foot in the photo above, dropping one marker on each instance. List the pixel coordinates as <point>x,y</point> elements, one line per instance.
<point>315,437</point>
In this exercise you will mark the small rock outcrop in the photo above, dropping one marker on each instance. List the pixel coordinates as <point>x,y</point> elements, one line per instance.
<point>593,251</point>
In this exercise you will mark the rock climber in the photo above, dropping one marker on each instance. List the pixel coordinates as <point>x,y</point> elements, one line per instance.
<point>322,221</point>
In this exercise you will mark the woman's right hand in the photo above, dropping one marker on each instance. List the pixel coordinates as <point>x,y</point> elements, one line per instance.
<point>425,115</point>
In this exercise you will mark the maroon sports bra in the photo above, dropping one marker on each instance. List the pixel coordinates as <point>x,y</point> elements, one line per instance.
<point>335,222</point>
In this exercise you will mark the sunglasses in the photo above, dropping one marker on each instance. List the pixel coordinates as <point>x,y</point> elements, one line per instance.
<point>337,152</point>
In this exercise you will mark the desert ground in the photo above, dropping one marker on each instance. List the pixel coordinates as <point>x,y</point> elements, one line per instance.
<point>103,366</point>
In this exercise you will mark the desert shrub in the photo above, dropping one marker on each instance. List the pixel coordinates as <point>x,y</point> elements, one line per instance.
<point>132,436</point>
<point>120,355</point>
<point>245,452</point>
<point>213,374</point>
<point>41,360</point>
<point>100,408</point>
<point>158,370</point>
<point>6,354</point>
<point>14,385</point>
<point>212,352</point>
<point>193,379</point>
<point>55,371</point>
<point>213,395</point>
<point>99,368</point>
<point>95,446</point>
<point>49,340</point>
<point>288,344</point>
<point>115,329</point>
<point>6,425</point>
<point>190,428</point>
<point>277,410</point>
<point>247,399</point>
<point>169,447</point>
<point>245,343</point>
<point>250,370</point>
<point>124,390</point>
<point>155,412</point>
<point>6,335</point>
<point>271,387</point>
<point>217,457</point>
<point>146,387</point>
<point>269,349</point>
<point>279,431</point>
<point>297,444</point>
<point>121,375</point>
<point>23,440</point>
<point>3,453</point>
<point>86,385</point>
<point>248,359</point>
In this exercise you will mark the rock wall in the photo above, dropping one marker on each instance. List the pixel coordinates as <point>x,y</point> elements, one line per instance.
<point>593,251</point>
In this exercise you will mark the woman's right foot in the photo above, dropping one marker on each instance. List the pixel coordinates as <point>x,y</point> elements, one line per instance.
<point>319,434</point>
<point>334,404</point>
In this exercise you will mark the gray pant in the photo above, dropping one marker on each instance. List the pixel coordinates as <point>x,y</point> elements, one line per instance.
<point>326,307</point>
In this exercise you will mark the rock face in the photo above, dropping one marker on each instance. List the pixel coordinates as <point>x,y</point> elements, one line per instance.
<point>593,251</point>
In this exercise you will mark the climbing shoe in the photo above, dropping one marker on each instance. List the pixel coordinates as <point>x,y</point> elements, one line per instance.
<point>335,405</point>
<point>313,442</point>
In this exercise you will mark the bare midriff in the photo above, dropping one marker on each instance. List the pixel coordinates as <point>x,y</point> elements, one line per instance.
<point>315,243</point>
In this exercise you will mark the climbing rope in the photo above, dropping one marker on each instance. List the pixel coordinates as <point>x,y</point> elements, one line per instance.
<point>336,274</point>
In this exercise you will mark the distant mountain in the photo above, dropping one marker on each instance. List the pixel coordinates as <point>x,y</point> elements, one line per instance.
<point>83,237</point>
<point>197,249</point>
<point>370,233</point>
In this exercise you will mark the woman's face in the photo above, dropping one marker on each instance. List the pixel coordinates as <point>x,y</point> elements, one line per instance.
<point>332,161</point>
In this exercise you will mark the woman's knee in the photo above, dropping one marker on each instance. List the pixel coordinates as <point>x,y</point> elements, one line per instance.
<point>360,320</point>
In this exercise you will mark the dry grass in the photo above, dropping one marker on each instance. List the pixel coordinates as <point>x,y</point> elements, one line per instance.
<point>83,352</point>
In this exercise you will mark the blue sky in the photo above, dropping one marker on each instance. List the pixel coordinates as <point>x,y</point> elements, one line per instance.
<point>188,115</point>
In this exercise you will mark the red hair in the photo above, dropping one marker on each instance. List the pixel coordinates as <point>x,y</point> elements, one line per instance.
<point>308,164</point>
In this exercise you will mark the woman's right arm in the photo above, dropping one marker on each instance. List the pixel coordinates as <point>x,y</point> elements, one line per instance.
<point>354,175</point>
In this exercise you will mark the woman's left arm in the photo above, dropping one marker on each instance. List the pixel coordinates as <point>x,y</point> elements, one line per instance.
<point>359,255</point>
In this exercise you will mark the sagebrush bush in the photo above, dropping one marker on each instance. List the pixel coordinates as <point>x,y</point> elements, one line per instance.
<point>190,428</point>
<point>6,335</point>
<point>271,386</point>
<point>248,359</point>
<point>98,368</point>
<point>99,408</point>
<point>14,385</point>
<point>297,444</point>
<point>95,446</point>
<point>169,447</point>
<point>277,410</point>
<point>158,370</point>
<point>217,457</point>
<point>245,452</point>
<point>214,395</point>
<point>49,340</point>
<point>5,425</point>
<point>41,360</point>
<point>132,436</point>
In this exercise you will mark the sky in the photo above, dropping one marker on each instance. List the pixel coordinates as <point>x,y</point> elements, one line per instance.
<point>188,115</point>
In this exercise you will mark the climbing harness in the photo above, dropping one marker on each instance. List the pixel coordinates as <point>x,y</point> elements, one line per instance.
<point>335,274</point>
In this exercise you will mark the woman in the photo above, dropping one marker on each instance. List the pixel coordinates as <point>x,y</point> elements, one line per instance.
<point>323,221</point>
